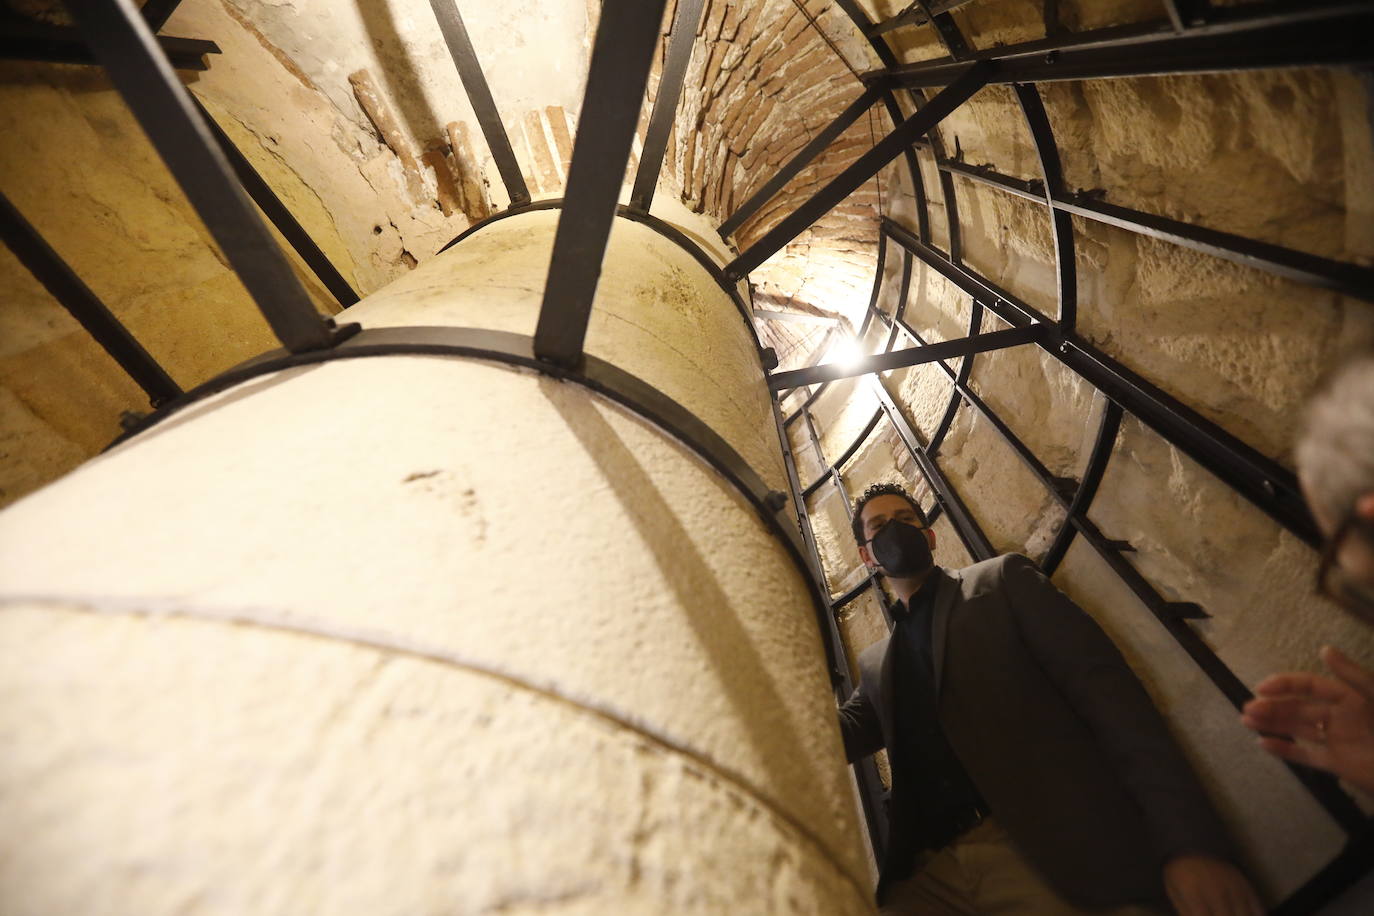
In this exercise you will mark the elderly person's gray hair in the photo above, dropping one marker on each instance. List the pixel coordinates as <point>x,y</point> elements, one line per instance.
<point>1335,452</point>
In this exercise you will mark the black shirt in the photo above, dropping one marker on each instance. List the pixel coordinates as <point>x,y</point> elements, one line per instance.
<point>932,793</point>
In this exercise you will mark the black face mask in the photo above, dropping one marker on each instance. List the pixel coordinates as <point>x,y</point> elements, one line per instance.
<point>902,550</point>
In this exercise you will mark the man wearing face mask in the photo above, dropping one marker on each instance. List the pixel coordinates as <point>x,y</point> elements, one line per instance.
<point>1031,774</point>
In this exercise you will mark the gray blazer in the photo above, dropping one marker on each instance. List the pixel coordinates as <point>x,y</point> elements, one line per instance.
<point>1055,730</point>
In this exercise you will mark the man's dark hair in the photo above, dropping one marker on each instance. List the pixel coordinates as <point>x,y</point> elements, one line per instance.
<point>874,491</point>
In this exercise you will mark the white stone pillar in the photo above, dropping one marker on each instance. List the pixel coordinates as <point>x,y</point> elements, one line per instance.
<point>415,634</point>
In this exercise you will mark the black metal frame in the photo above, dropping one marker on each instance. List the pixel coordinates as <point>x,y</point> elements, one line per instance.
<point>621,56</point>
<point>85,306</point>
<point>123,43</point>
<point>1200,38</point>
<point>25,39</point>
<point>662,227</point>
<point>794,166</point>
<point>969,81</point>
<point>276,211</point>
<point>1194,38</point>
<point>479,97</point>
<point>681,39</point>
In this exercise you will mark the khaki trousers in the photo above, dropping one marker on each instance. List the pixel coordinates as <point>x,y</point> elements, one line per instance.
<point>982,874</point>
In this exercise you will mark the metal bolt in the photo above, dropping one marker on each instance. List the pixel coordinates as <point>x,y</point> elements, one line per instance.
<point>1269,489</point>
<point>1064,347</point>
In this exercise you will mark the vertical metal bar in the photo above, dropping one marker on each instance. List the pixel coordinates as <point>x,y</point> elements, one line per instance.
<point>965,525</point>
<point>1267,484</point>
<point>903,291</point>
<point>1061,223</point>
<point>802,159</point>
<point>1101,454</point>
<point>681,39</point>
<point>870,784</point>
<point>867,165</point>
<point>880,47</point>
<point>937,439</point>
<point>479,96</point>
<point>157,12</point>
<point>281,217</point>
<point>77,298</point>
<point>946,29</point>
<point>624,47</point>
<point>877,286</point>
<point>124,44</point>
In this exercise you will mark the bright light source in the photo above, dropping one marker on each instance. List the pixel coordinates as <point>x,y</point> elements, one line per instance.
<point>846,352</point>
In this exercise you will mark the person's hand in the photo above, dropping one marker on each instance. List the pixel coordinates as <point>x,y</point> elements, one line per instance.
<point>1318,721</point>
<point>1204,886</point>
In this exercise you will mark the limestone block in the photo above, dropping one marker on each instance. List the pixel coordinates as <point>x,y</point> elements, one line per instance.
<point>922,393</point>
<point>842,413</point>
<point>1199,541</point>
<point>1267,154</point>
<point>159,764</point>
<point>1009,240</point>
<point>1048,406</point>
<point>949,550</point>
<point>548,540</point>
<point>1002,23</point>
<point>1014,510</point>
<point>882,458</point>
<point>657,314</point>
<point>834,540</point>
<point>861,624</point>
<point>1244,348</point>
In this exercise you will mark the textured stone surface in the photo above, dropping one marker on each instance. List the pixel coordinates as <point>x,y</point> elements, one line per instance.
<point>657,314</point>
<point>553,540</point>
<point>201,767</point>
<point>1284,156</point>
<point>1280,156</point>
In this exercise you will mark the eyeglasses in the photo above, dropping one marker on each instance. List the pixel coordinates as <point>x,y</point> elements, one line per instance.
<point>1334,582</point>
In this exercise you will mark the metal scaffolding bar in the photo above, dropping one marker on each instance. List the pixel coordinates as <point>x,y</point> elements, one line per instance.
<point>1345,278</point>
<point>871,792</point>
<point>1304,41</point>
<point>869,164</point>
<point>965,525</point>
<point>1108,428</point>
<point>624,47</point>
<point>946,30</point>
<point>1052,182</point>
<point>124,44</point>
<point>913,14</point>
<point>681,38</point>
<point>479,96</point>
<point>23,39</point>
<point>85,306</point>
<point>1173,615</point>
<point>157,12</point>
<point>1340,276</point>
<point>1258,478</point>
<point>911,356</point>
<point>272,207</point>
<point>817,145</point>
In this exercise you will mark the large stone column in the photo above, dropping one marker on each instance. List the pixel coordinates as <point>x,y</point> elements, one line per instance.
<point>413,634</point>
